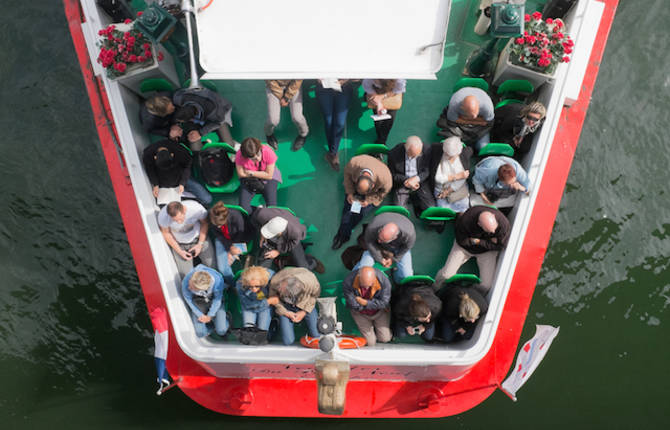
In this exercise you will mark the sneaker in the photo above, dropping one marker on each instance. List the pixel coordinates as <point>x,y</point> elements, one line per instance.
<point>298,143</point>
<point>272,141</point>
<point>333,160</point>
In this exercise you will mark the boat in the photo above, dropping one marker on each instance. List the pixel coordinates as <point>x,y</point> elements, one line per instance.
<point>388,381</point>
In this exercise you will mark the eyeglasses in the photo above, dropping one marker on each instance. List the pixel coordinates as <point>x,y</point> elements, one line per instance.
<point>533,118</point>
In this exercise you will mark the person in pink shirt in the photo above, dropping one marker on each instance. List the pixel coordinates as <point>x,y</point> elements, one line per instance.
<point>258,173</point>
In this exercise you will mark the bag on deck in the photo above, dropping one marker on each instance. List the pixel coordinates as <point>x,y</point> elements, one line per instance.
<point>216,167</point>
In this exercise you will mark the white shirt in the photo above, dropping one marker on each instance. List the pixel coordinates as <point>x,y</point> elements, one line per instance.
<point>446,169</point>
<point>188,231</point>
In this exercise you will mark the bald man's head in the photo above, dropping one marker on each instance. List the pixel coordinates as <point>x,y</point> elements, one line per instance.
<point>388,233</point>
<point>470,107</point>
<point>364,185</point>
<point>487,221</point>
<point>366,277</point>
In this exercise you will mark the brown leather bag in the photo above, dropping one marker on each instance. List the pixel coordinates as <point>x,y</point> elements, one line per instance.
<point>390,103</point>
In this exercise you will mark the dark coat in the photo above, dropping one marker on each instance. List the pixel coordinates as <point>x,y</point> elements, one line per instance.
<point>467,227</point>
<point>380,298</point>
<point>213,106</point>
<point>176,175</point>
<point>239,229</point>
<point>507,124</point>
<point>154,124</point>
<point>399,247</point>
<point>451,301</point>
<point>402,296</point>
<point>396,163</point>
<point>436,155</point>
<point>294,233</point>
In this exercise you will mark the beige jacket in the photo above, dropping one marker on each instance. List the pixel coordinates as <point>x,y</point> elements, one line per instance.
<point>306,299</point>
<point>284,88</point>
<point>381,176</point>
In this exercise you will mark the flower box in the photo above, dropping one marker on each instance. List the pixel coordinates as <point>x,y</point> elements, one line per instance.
<point>506,70</point>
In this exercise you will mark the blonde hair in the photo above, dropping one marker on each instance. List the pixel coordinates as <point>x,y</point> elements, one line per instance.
<point>468,308</point>
<point>158,105</point>
<point>534,107</point>
<point>255,272</point>
<point>201,280</point>
<point>218,214</point>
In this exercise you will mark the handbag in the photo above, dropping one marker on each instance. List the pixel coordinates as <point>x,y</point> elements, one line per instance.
<point>253,185</point>
<point>390,103</point>
<point>458,194</point>
<point>251,335</point>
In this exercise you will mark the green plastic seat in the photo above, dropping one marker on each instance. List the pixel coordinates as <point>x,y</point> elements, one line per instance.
<point>471,82</point>
<point>234,183</point>
<point>415,278</point>
<point>238,208</point>
<point>155,84</point>
<point>390,208</point>
<point>511,87</point>
<point>464,277</point>
<point>203,83</point>
<point>508,102</point>
<point>372,149</point>
<point>497,149</point>
<point>437,214</point>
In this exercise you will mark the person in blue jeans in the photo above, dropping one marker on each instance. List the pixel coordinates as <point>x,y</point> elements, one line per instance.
<point>229,227</point>
<point>334,96</point>
<point>252,290</point>
<point>202,289</point>
<point>293,293</point>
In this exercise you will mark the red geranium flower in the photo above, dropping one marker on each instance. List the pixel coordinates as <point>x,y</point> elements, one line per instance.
<point>566,59</point>
<point>549,21</point>
<point>559,23</point>
<point>160,56</point>
<point>139,13</point>
<point>526,18</point>
<point>133,58</point>
<point>127,21</point>
<point>537,16</point>
<point>519,40</point>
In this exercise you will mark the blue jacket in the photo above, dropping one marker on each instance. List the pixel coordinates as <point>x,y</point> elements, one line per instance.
<point>217,291</point>
<point>253,302</point>
<point>486,174</point>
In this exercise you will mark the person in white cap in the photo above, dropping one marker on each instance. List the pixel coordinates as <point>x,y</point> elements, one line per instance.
<point>281,233</point>
<point>449,171</point>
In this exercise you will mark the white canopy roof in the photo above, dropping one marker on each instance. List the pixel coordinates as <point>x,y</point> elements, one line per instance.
<point>281,39</point>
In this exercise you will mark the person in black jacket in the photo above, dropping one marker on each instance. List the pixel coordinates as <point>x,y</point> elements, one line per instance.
<point>481,232</point>
<point>168,165</point>
<point>516,124</point>
<point>415,308</point>
<point>229,227</point>
<point>409,166</point>
<point>156,114</point>
<point>461,310</point>
<point>201,111</point>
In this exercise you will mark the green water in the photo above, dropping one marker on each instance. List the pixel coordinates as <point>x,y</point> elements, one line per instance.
<point>75,340</point>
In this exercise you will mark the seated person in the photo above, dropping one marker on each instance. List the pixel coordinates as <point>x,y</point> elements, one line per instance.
<point>281,93</point>
<point>461,309</point>
<point>201,111</point>
<point>156,114</point>
<point>282,233</point>
<point>258,172</point>
<point>389,239</point>
<point>481,232</point>
<point>516,124</point>
<point>252,290</point>
<point>449,171</point>
<point>497,180</point>
<point>184,228</point>
<point>468,116</point>
<point>415,310</point>
<point>409,166</point>
<point>228,226</point>
<point>380,95</point>
<point>202,289</point>
<point>367,292</point>
<point>366,181</point>
<point>168,165</point>
<point>293,293</point>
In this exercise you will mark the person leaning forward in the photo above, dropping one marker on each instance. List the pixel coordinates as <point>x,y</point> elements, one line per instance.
<point>481,232</point>
<point>409,163</point>
<point>366,182</point>
<point>367,292</point>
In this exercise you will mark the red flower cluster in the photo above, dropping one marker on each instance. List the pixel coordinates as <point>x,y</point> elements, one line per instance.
<point>543,44</point>
<point>119,49</point>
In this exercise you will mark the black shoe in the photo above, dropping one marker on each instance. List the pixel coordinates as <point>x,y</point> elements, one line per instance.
<point>338,241</point>
<point>316,265</point>
<point>298,143</point>
<point>272,141</point>
<point>333,160</point>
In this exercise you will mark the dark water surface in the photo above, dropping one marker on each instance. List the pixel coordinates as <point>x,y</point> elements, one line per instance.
<point>75,340</point>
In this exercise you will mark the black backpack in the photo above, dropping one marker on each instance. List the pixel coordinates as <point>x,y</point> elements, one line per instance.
<point>216,167</point>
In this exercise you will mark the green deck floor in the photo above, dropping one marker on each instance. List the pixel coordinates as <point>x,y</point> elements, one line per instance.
<point>315,192</point>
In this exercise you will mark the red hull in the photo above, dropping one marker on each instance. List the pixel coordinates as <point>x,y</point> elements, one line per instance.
<point>379,399</point>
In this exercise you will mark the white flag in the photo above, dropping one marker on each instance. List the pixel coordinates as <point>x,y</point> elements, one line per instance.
<point>529,358</point>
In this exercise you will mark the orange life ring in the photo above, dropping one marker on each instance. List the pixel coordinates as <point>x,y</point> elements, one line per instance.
<point>344,341</point>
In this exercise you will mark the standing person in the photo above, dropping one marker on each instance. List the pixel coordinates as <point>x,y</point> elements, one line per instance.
<point>367,292</point>
<point>468,116</point>
<point>253,289</point>
<point>449,171</point>
<point>334,96</point>
<point>201,111</point>
<point>257,169</point>
<point>516,124</point>
<point>228,226</point>
<point>156,114</point>
<point>415,310</point>
<point>202,290</point>
<point>384,96</point>
<point>461,310</point>
<point>409,164</point>
<point>366,182</point>
<point>481,232</point>
<point>168,165</point>
<point>184,228</point>
<point>293,293</point>
<point>389,239</point>
<point>281,93</point>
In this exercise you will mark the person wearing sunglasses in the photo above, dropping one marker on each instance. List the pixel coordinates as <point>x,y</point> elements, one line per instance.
<point>516,124</point>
